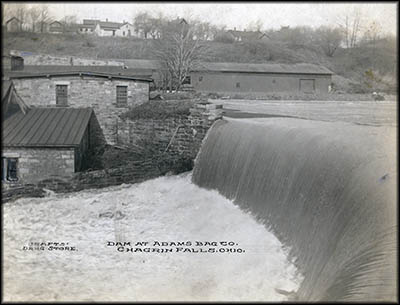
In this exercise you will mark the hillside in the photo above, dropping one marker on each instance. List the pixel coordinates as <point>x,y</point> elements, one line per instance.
<point>358,70</point>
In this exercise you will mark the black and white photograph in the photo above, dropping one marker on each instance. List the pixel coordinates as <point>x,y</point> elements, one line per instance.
<point>199,152</point>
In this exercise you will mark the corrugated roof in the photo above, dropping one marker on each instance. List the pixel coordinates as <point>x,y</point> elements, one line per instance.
<point>46,127</point>
<point>302,68</point>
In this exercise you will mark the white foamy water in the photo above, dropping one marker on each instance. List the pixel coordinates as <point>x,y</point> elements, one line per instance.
<point>166,209</point>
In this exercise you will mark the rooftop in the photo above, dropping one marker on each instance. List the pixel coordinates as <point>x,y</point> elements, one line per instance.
<point>302,68</point>
<point>116,72</point>
<point>46,127</point>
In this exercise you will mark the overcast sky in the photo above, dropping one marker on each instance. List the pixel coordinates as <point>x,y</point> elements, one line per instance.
<point>235,14</point>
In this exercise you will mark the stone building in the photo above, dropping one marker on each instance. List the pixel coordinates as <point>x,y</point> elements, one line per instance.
<point>109,94</point>
<point>47,143</point>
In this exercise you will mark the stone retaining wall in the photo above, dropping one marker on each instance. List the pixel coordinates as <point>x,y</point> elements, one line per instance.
<point>176,136</point>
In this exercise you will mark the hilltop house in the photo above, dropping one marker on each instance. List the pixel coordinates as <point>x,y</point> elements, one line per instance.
<point>56,27</point>
<point>109,90</point>
<point>106,28</point>
<point>13,25</point>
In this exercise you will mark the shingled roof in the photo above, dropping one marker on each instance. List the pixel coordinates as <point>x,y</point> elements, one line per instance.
<point>302,68</point>
<point>46,127</point>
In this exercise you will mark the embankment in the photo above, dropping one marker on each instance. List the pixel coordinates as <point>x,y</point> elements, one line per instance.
<point>328,192</point>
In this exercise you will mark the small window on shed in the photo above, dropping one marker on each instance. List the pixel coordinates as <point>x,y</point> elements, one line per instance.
<point>237,85</point>
<point>9,169</point>
<point>61,95</point>
<point>122,96</point>
<point>200,78</point>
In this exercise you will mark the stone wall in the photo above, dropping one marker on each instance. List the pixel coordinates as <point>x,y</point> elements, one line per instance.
<point>98,93</point>
<point>176,136</point>
<point>33,59</point>
<point>35,164</point>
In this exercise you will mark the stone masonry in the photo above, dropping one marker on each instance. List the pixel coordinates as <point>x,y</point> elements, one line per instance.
<point>85,91</point>
<point>176,136</point>
<point>35,164</point>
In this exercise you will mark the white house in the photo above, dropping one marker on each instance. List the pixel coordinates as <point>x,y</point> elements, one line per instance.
<point>107,28</point>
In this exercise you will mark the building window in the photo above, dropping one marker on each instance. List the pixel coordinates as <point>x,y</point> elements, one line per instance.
<point>123,33</point>
<point>9,169</point>
<point>187,81</point>
<point>86,30</point>
<point>61,95</point>
<point>122,96</point>
<point>237,85</point>
<point>273,81</point>
<point>200,78</point>
<point>91,30</point>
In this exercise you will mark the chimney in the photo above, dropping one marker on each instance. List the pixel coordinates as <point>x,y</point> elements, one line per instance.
<point>234,28</point>
<point>106,19</point>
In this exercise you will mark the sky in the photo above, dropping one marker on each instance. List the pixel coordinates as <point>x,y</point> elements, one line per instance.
<point>236,14</point>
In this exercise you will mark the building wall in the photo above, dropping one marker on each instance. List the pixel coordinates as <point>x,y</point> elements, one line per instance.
<point>124,31</point>
<point>256,82</point>
<point>13,26</point>
<point>35,164</point>
<point>95,92</point>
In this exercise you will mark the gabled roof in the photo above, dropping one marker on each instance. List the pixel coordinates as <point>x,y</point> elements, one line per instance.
<point>56,22</point>
<point>12,18</point>
<point>46,127</point>
<point>302,68</point>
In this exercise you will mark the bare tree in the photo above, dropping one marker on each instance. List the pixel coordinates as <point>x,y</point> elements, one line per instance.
<point>329,39</point>
<point>44,16</point>
<point>351,27</point>
<point>179,54</point>
<point>21,12</point>
<point>143,24</point>
<point>34,15</point>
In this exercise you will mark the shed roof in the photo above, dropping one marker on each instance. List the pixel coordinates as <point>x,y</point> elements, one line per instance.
<point>302,68</point>
<point>46,127</point>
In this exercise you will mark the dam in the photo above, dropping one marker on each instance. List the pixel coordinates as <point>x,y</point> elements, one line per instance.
<point>309,206</point>
<point>327,190</point>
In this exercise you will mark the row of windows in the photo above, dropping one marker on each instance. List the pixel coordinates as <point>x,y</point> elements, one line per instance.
<point>62,95</point>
